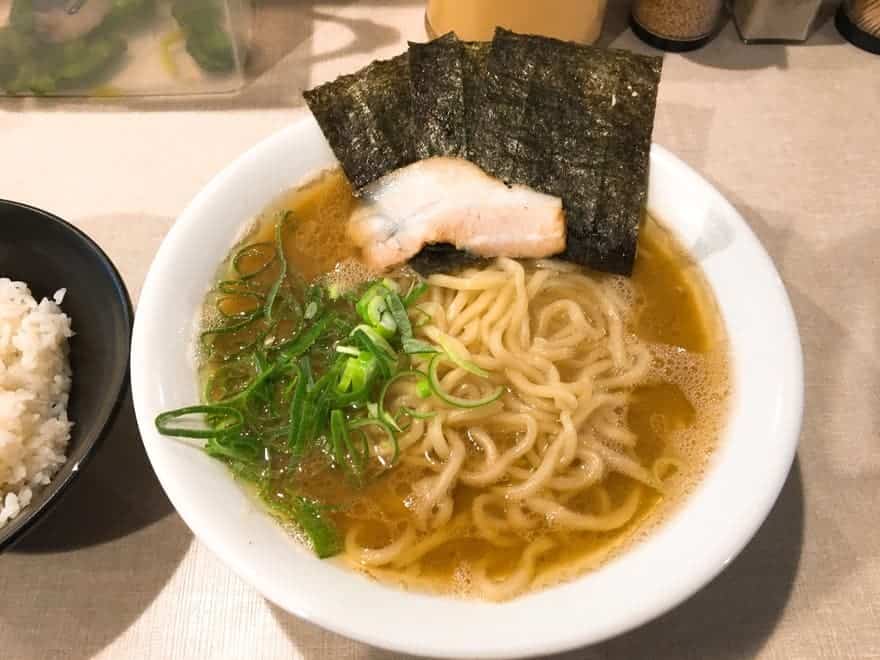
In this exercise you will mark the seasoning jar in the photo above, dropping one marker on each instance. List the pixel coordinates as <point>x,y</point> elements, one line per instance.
<point>676,25</point>
<point>475,20</point>
<point>859,23</point>
<point>767,21</point>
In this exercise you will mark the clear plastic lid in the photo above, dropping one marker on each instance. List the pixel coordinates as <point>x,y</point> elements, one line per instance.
<point>123,47</point>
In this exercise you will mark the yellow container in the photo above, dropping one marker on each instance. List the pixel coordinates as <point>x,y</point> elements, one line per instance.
<point>476,20</point>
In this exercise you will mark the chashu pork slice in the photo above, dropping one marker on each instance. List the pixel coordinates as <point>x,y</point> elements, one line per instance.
<point>450,200</point>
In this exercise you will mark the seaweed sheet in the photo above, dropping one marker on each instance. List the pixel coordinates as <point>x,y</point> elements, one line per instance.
<point>367,119</point>
<point>446,131</point>
<point>575,122</point>
<point>474,66</point>
<point>443,258</point>
<point>438,104</point>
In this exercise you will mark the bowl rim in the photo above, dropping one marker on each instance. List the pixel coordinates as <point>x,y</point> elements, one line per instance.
<point>26,521</point>
<point>319,610</point>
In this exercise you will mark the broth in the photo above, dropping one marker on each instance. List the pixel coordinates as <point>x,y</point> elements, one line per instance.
<point>676,413</point>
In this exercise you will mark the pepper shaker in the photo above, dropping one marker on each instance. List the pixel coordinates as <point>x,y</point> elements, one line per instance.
<point>775,20</point>
<point>676,25</point>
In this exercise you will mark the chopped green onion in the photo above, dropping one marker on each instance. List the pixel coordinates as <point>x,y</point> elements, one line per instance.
<point>232,327</point>
<point>254,249</point>
<point>314,300</point>
<point>418,347</point>
<point>317,405</point>
<point>295,439</point>
<point>234,421</point>
<point>270,410</point>
<point>452,400</point>
<point>238,288</point>
<point>282,271</point>
<point>375,308</point>
<point>384,414</point>
<point>310,517</point>
<point>416,290</point>
<point>410,344</point>
<point>344,451</point>
<point>461,362</point>
<point>423,388</point>
<point>416,414</point>
<point>297,346</point>
<point>233,372</point>
<point>321,532</point>
<point>386,327</point>
<point>366,306</point>
<point>235,446</point>
<point>375,421</point>
<point>370,341</point>
<point>380,342</point>
<point>337,430</point>
<point>358,372</point>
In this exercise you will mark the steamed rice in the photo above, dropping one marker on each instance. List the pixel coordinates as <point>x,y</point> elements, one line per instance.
<point>34,388</point>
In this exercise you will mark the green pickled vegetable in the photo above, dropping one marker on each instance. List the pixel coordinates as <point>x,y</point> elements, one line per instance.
<point>207,41</point>
<point>32,62</point>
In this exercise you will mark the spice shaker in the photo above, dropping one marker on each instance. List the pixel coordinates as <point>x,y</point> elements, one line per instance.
<point>676,25</point>
<point>859,23</point>
<point>775,20</point>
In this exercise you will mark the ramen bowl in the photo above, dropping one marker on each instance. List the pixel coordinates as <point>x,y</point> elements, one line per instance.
<point>695,543</point>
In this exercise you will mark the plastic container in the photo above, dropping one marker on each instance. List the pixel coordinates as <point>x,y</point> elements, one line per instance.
<point>123,47</point>
<point>476,20</point>
<point>676,25</point>
<point>859,23</point>
<point>775,21</point>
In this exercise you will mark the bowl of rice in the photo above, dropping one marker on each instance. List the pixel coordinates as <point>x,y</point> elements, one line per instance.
<point>65,330</point>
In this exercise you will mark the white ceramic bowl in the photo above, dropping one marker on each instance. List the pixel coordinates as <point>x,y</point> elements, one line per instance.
<point>705,534</point>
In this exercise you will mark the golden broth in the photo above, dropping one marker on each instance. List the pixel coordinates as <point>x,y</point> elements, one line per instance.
<point>678,412</point>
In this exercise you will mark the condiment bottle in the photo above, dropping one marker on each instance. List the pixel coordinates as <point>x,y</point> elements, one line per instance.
<point>676,25</point>
<point>476,20</point>
<point>859,23</point>
<point>775,20</point>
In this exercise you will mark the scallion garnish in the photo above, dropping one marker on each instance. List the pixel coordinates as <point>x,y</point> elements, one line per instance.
<point>451,399</point>
<point>298,374</point>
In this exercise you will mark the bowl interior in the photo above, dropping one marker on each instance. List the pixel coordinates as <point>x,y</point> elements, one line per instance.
<point>49,254</point>
<point>693,546</point>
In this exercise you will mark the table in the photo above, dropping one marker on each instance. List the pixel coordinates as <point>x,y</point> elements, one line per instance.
<point>789,134</point>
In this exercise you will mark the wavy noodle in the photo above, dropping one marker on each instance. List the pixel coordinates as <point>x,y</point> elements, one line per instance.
<point>536,461</point>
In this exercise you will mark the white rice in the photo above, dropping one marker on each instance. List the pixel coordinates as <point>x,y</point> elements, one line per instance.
<point>34,388</point>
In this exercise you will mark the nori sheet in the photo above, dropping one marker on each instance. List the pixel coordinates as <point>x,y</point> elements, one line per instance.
<point>475,64</point>
<point>437,90</point>
<point>567,120</point>
<point>576,122</point>
<point>367,119</point>
<point>443,258</point>
<point>444,131</point>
